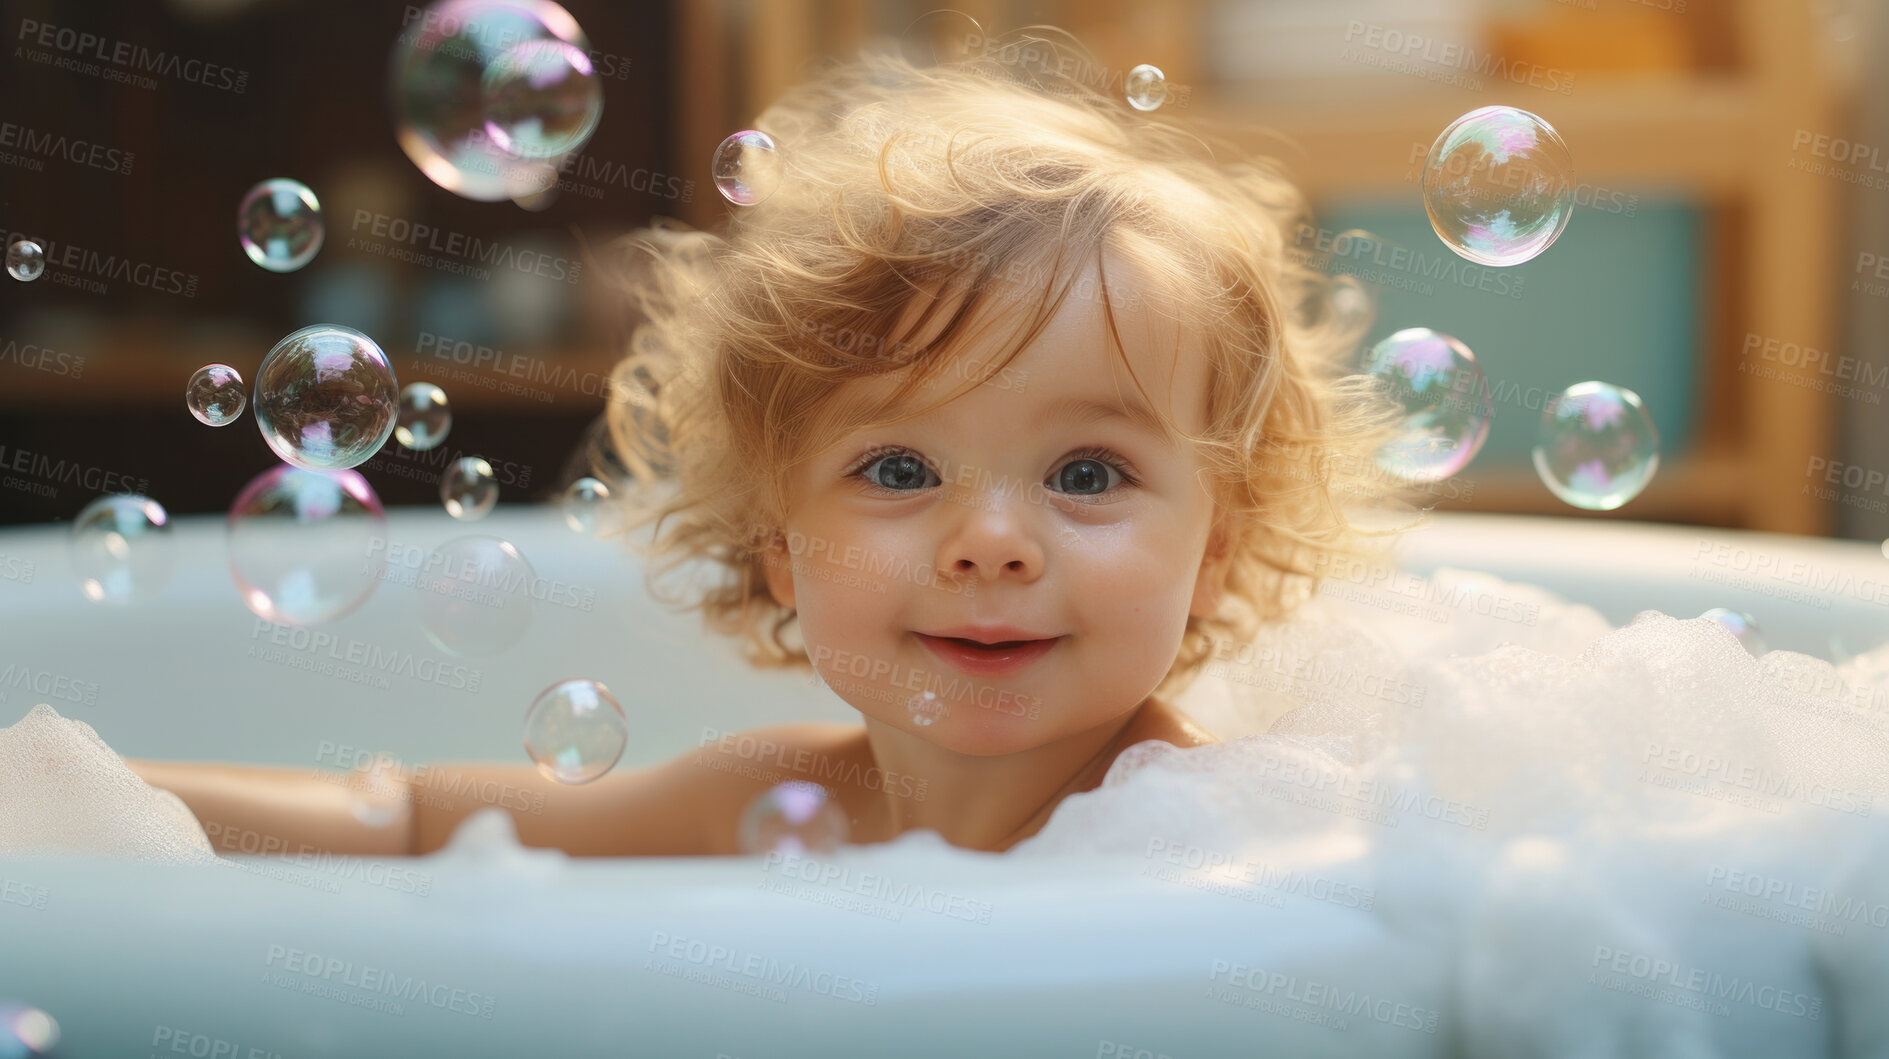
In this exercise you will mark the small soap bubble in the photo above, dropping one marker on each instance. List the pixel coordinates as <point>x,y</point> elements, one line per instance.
<point>326,398</point>
<point>1499,185</point>
<point>425,416</point>
<point>794,817</point>
<point>590,509</point>
<point>468,489</point>
<point>279,223</point>
<point>575,731</point>
<point>26,1032</point>
<point>1147,87</point>
<point>1445,398</point>
<point>121,549</point>
<point>1742,625</point>
<point>26,260</point>
<point>475,595</point>
<point>459,59</point>
<point>542,99</point>
<point>306,547</point>
<point>747,168</point>
<point>1352,307</point>
<point>215,395</point>
<point>1597,447</point>
<point>926,708</point>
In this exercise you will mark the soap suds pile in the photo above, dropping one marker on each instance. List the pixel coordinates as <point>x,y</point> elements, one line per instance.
<point>1578,840</point>
<point>62,790</point>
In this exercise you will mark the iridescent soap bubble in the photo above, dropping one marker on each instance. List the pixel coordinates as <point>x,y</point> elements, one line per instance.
<point>476,595</point>
<point>440,96</point>
<point>575,731</point>
<point>326,398</point>
<point>279,223</point>
<point>926,708</point>
<point>1499,185</point>
<point>794,817</point>
<point>747,168</point>
<point>542,99</point>
<point>26,1032</point>
<point>215,395</point>
<point>1445,398</point>
<point>306,547</point>
<point>26,260</point>
<point>1742,625</point>
<point>1597,447</point>
<point>468,489</point>
<point>590,509</point>
<point>1147,87</point>
<point>121,549</point>
<point>941,37</point>
<point>425,416</point>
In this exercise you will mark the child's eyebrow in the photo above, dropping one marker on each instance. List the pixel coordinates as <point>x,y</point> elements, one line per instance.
<point>1081,410</point>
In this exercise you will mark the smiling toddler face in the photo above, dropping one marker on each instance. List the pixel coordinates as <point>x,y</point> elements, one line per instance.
<point>1047,504</point>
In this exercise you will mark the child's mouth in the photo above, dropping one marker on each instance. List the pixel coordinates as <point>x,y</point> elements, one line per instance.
<point>979,658</point>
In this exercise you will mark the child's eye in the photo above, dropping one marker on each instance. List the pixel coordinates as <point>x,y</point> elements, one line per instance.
<point>899,471</point>
<point>1091,474</point>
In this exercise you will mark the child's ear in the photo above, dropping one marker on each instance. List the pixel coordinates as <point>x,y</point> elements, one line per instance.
<point>777,567</point>
<point>1210,582</point>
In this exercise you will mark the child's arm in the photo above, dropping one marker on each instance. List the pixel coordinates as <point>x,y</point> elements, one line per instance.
<point>688,806</point>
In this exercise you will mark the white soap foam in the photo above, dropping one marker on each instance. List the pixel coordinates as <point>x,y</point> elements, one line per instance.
<point>1579,841</point>
<point>62,790</point>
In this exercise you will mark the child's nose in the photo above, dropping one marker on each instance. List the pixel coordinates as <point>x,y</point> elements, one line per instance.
<point>992,540</point>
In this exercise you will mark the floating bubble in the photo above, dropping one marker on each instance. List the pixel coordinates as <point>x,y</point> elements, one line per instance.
<point>1742,625</point>
<point>575,731</point>
<point>468,489</point>
<point>326,398</point>
<point>279,223</point>
<point>476,595</point>
<point>1597,448</point>
<point>440,72</point>
<point>26,1032</point>
<point>26,260</point>
<point>1499,185</point>
<point>542,99</point>
<point>747,168</point>
<point>306,547</point>
<point>121,549</point>
<point>926,708</point>
<point>590,509</point>
<point>794,817</point>
<point>425,416</point>
<point>215,395</point>
<point>1147,87</point>
<point>940,37</point>
<point>1445,398</point>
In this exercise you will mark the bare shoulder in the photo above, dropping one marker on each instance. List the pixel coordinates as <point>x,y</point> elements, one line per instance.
<point>720,779</point>
<point>1162,721</point>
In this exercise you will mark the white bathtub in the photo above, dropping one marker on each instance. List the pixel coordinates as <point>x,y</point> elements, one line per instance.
<point>539,955</point>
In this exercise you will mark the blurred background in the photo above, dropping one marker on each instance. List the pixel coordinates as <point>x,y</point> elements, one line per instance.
<point>1728,257</point>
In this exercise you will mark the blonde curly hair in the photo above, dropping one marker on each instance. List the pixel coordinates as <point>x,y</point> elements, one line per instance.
<point>898,183</point>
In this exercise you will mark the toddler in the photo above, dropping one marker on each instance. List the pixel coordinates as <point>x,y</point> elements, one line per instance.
<point>1006,407</point>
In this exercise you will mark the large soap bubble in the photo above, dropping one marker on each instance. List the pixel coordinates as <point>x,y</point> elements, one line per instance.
<point>1445,398</point>
<point>305,546</point>
<point>576,731</point>
<point>459,76</point>
<point>796,817</point>
<point>1499,185</point>
<point>326,398</point>
<point>1597,447</point>
<point>476,595</point>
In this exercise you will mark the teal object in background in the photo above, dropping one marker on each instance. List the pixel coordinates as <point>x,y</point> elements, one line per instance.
<point>1616,298</point>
